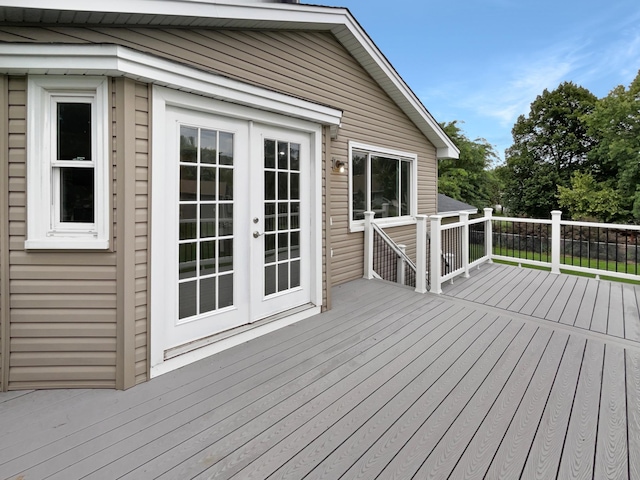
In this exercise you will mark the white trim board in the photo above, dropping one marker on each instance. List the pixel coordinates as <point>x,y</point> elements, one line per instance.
<point>118,61</point>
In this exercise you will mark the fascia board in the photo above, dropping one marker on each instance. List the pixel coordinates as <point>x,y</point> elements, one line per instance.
<point>121,61</point>
<point>279,12</point>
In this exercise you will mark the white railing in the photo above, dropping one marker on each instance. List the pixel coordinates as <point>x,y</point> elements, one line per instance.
<point>446,251</point>
<point>386,259</point>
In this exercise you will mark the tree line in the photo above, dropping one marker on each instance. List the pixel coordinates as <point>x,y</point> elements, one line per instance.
<point>572,151</point>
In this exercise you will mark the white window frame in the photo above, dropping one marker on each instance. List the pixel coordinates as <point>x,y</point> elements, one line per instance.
<point>44,228</point>
<point>358,225</point>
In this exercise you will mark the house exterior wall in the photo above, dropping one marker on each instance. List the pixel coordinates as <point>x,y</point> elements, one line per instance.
<point>80,319</point>
<point>66,309</point>
<point>312,65</point>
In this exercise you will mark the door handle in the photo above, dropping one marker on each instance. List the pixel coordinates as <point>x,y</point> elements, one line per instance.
<point>256,234</point>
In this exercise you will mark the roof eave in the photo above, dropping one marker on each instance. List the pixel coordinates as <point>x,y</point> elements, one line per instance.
<point>262,15</point>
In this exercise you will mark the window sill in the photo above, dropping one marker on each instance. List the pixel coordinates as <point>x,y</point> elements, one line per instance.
<point>358,226</point>
<point>66,243</point>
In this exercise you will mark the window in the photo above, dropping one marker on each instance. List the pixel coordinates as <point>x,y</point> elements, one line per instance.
<point>382,181</point>
<point>67,163</point>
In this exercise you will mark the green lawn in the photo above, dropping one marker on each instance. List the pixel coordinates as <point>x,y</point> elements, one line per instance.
<point>601,265</point>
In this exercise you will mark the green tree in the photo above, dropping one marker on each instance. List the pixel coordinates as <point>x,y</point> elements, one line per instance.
<point>589,200</point>
<point>549,144</point>
<point>468,178</point>
<point>615,123</point>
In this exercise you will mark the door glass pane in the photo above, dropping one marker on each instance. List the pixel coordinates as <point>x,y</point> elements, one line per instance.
<point>269,217</point>
<point>206,221</point>
<point>294,179</point>
<point>295,274</point>
<point>282,177</point>
<point>226,148</point>
<point>269,248</point>
<point>283,246</point>
<point>188,218</point>
<point>269,185</point>
<point>269,154</point>
<point>295,244</point>
<point>270,280</point>
<point>225,290</point>
<point>295,157</point>
<point>188,144</point>
<point>187,260</point>
<point>188,183</point>
<point>226,184</point>
<point>76,195</point>
<point>208,146</point>
<point>283,186</point>
<point>74,131</point>
<point>226,219</point>
<point>207,257</point>
<point>283,155</point>
<point>283,216</point>
<point>207,183</point>
<point>187,299</point>
<point>226,255</point>
<point>207,294</point>
<point>283,276</point>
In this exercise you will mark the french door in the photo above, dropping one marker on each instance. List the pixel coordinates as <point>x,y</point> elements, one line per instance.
<point>237,223</point>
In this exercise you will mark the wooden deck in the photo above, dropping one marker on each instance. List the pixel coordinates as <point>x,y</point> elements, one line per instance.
<point>511,373</point>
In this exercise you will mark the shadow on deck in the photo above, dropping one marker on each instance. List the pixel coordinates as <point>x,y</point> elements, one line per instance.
<point>506,374</point>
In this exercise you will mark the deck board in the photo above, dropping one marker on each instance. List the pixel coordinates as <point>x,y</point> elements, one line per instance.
<point>631,314</point>
<point>544,456</point>
<point>633,409</point>
<point>499,378</point>
<point>612,454</point>
<point>578,455</point>
<point>575,300</point>
<point>111,440</point>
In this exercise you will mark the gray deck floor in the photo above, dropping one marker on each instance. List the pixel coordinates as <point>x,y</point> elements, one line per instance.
<point>489,380</point>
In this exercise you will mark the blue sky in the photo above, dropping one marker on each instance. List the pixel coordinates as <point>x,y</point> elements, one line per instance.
<point>483,62</point>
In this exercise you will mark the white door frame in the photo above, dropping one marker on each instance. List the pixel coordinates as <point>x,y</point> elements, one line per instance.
<point>162,98</point>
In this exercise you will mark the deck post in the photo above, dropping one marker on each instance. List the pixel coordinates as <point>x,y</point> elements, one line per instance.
<point>488,233</point>
<point>464,218</point>
<point>555,241</point>
<point>368,245</point>
<point>400,260</point>
<point>436,254</point>
<point>421,253</point>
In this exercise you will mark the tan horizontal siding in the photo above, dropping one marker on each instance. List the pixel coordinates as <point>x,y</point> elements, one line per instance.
<point>5,171</point>
<point>76,359</point>
<point>142,205</point>
<point>63,315</point>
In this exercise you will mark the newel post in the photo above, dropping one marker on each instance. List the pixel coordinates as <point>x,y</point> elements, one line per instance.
<point>555,241</point>
<point>368,245</point>
<point>421,253</point>
<point>400,265</point>
<point>488,233</point>
<point>435,266</point>
<point>464,218</point>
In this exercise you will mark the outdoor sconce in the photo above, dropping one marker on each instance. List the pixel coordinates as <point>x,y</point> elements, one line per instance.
<point>338,165</point>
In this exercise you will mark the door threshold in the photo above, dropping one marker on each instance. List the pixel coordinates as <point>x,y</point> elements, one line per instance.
<point>197,350</point>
